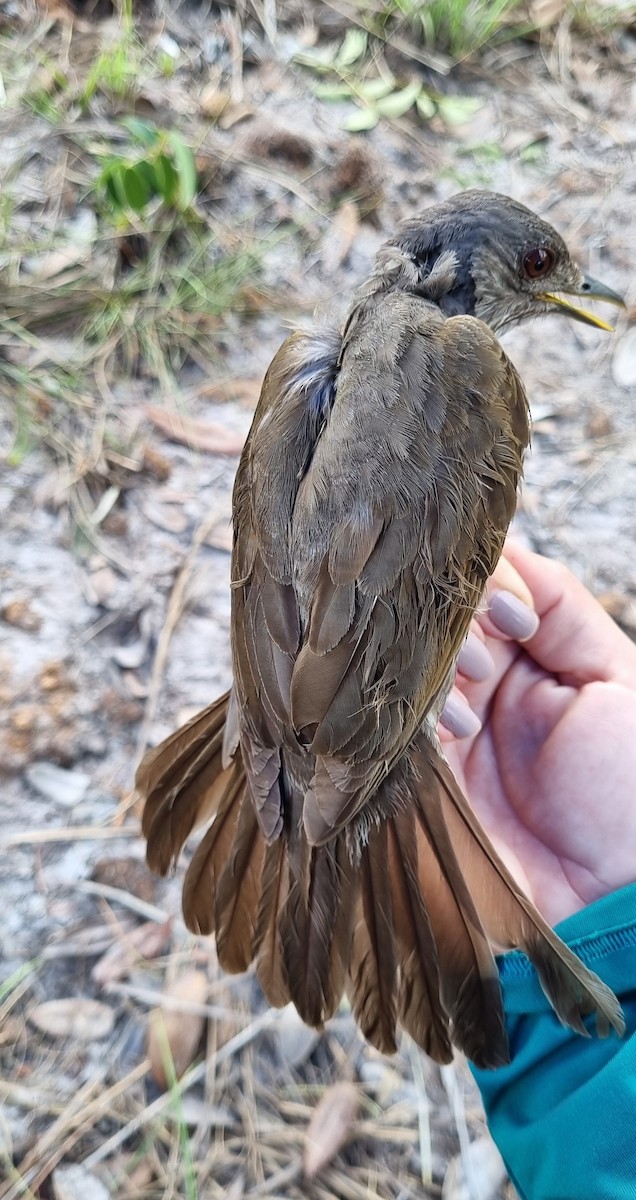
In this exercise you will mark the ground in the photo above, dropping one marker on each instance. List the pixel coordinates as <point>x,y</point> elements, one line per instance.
<point>133,337</point>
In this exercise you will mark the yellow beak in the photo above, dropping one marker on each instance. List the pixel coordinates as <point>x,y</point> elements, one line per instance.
<point>591,289</point>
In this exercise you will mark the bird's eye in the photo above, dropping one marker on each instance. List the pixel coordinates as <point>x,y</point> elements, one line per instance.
<point>538,262</point>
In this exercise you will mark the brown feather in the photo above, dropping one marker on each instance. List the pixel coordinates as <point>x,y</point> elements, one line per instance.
<point>331,612</point>
<point>372,984</point>
<point>469,982</point>
<point>420,1009</point>
<point>307,925</point>
<point>183,784</point>
<point>512,921</point>
<point>210,857</point>
<point>238,893</point>
<point>268,947</point>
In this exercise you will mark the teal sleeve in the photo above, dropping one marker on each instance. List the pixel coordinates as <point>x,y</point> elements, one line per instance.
<point>563,1113</point>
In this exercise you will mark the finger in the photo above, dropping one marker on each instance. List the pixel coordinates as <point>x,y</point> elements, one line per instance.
<point>474,660</point>
<point>479,694</point>
<point>576,639</point>
<point>506,577</point>
<point>510,605</point>
<point>458,718</point>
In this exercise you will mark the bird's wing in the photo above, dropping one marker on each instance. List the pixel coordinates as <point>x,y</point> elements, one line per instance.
<point>266,622</point>
<point>399,520</point>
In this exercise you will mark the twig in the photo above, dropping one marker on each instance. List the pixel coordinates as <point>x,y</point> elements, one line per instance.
<point>176,606</point>
<point>150,912</point>
<point>173,1003</point>
<point>194,1076</point>
<point>72,833</point>
<point>423,1115</point>
<point>33,1170</point>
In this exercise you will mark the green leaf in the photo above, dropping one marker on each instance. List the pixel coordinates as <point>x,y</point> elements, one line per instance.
<point>136,188</point>
<point>361,119</point>
<point>186,170</point>
<point>166,179</point>
<point>398,103</point>
<point>114,183</point>
<point>533,152</point>
<point>456,110</point>
<point>147,172</point>
<point>374,89</point>
<point>142,131</point>
<point>426,106</point>
<point>353,47</point>
<point>316,60</point>
<point>332,91</point>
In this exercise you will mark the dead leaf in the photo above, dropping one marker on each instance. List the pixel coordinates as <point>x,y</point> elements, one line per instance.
<point>20,614</point>
<point>156,463</point>
<point>222,536</point>
<point>136,686</point>
<point>244,390</point>
<point>600,424</point>
<point>546,13</point>
<point>480,1171</point>
<point>76,1017</point>
<point>139,1177</point>
<point>147,941</point>
<point>131,657</point>
<point>357,174</point>
<point>58,784</point>
<point>87,942</point>
<point>129,874</point>
<point>165,516</point>
<point>329,1127</point>
<point>176,1035</point>
<point>342,234</point>
<point>278,144</point>
<point>213,101</point>
<point>235,112</point>
<point>100,585</point>
<point>207,436</point>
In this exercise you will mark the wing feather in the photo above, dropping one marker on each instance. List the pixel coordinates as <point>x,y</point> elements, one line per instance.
<point>426,436</point>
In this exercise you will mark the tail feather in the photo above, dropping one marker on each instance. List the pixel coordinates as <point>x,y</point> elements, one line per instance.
<point>512,922</point>
<point>420,1011</point>
<point>182,784</point>
<point>270,968</point>
<point>373,971</point>
<point>307,925</point>
<point>399,910</point>
<point>238,892</point>
<point>210,857</point>
<point>469,981</point>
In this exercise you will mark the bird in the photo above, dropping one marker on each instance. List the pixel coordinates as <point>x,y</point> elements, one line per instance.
<point>370,507</point>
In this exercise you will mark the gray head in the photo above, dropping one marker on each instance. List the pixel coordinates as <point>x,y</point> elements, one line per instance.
<point>485,255</point>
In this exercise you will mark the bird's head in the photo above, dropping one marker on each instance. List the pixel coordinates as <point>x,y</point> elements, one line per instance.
<point>487,256</point>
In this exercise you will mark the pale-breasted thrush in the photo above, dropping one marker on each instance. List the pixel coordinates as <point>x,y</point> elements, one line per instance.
<point>371,505</point>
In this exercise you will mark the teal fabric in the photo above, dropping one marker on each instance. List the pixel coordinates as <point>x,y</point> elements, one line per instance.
<point>563,1113</point>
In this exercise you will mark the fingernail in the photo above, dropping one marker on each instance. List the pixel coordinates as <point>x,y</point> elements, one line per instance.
<point>458,718</point>
<point>474,660</point>
<point>512,616</point>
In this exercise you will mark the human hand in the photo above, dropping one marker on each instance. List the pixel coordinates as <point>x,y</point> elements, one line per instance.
<point>551,773</point>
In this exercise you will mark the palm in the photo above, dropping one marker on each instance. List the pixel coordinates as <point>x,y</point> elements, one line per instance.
<point>551,773</point>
